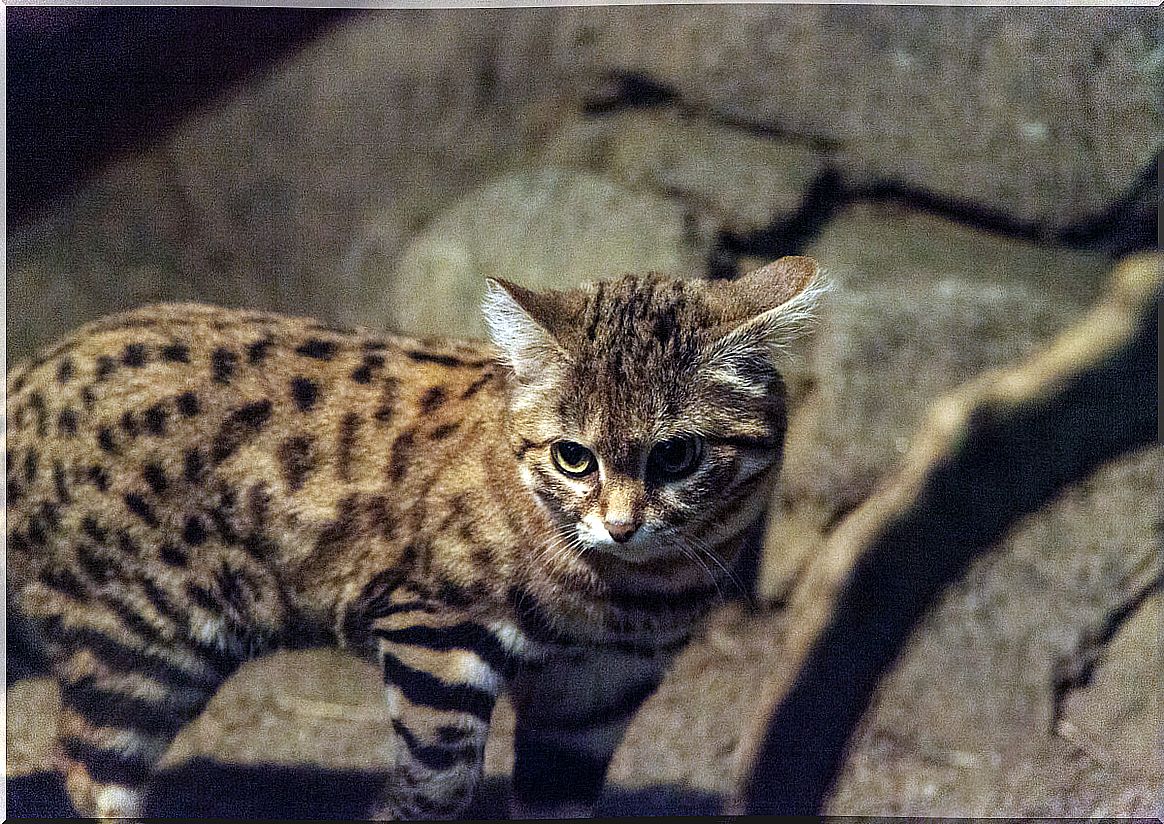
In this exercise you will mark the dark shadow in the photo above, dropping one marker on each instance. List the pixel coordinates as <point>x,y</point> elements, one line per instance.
<point>88,84</point>
<point>202,788</point>
<point>1010,463</point>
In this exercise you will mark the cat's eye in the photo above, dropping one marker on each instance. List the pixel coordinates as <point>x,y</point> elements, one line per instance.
<point>573,459</point>
<point>676,457</point>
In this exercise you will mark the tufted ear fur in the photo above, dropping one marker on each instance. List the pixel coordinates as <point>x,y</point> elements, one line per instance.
<point>519,322</point>
<point>761,315</point>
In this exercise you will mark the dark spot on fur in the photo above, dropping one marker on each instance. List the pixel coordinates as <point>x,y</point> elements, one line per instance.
<point>93,529</point>
<point>50,515</point>
<point>129,424</point>
<point>67,422</point>
<point>61,482</point>
<point>106,366</point>
<point>87,397</point>
<point>155,477</point>
<point>65,370</point>
<point>134,355</point>
<point>304,392</point>
<point>371,363</point>
<point>137,505</point>
<point>434,357</point>
<point>31,463</point>
<point>105,440</point>
<point>222,364</point>
<point>317,348</point>
<point>401,455</point>
<point>187,404</point>
<point>155,419</point>
<point>363,374</point>
<point>296,461</point>
<point>194,532</point>
<point>173,555</point>
<point>240,426</point>
<point>257,351</point>
<point>99,478</point>
<point>193,465</point>
<point>476,386</point>
<point>349,426</point>
<point>387,406</point>
<point>176,352</point>
<point>40,408</point>
<point>36,532</point>
<point>444,430</point>
<point>432,399</point>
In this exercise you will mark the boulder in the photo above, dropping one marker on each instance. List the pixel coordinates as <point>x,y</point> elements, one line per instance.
<point>920,304</point>
<point>1046,115</point>
<point>549,227</point>
<point>734,180</point>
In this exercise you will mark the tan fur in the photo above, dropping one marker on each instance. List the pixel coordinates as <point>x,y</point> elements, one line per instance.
<point>189,487</point>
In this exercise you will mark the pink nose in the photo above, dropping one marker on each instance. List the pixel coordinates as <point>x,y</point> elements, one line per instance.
<point>621,531</point>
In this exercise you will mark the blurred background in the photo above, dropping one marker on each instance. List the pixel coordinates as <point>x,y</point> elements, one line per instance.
<point>967,176</point>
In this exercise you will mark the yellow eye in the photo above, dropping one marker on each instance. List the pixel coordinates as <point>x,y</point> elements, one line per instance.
<point>676,457</point>
<point>573,459</point>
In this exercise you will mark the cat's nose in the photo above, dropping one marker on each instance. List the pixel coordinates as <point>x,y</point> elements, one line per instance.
<point>621,531</point>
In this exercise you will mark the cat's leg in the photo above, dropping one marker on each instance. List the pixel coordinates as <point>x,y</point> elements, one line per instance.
<point>125,694</point>
<point>571,715</point>
<point>442,673</point>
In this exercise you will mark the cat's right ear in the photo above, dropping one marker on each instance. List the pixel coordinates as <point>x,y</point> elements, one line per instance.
<point>516,318</point>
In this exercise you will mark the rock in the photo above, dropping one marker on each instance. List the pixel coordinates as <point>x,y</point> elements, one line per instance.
<point>928,634</point>
<point>1049,115</point>
<point>739,181</point>
<point>1111,722</point>
<point>920,305</point>
<point>546,228</point>
<point>263,198</point>
<point>963,724</point>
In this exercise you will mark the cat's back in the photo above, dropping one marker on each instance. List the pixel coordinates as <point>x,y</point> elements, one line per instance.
<point>186,419</point>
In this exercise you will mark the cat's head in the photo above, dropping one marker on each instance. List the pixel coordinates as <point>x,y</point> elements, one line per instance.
<point>647,414</point>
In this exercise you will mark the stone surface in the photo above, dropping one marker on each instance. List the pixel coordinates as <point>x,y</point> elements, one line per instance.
<point>1046,114</point>
<point>548,227</point>
<point>264,198</point>
<point>920,305</point>
<point>963,724</point>
<point>288,193</point>
<point>1112,724</point>
<point>733,179</point>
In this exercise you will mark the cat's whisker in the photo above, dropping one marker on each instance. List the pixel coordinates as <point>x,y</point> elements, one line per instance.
<point>706,550</point>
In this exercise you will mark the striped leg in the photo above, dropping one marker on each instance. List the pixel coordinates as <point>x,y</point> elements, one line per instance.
<point>442,672</point>
<point>123,699</point>
<point>571,715</point>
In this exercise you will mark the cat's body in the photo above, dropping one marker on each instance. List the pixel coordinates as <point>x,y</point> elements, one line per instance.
<point>189,487</point>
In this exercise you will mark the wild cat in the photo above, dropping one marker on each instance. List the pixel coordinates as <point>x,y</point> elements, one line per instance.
<point>549,513</point>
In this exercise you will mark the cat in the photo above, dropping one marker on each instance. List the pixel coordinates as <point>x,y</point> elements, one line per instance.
<point>550,512</point>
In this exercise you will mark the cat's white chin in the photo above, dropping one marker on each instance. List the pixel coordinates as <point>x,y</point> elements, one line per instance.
<point>642,547</point>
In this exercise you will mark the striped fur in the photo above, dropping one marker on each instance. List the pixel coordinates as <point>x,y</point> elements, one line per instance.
<point>189,487</point>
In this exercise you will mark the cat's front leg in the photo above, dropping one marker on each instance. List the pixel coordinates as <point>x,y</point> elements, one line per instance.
<point>442,672</point>
<point>572,712</point>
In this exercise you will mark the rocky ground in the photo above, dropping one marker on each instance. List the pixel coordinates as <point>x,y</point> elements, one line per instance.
<point>378,186</point>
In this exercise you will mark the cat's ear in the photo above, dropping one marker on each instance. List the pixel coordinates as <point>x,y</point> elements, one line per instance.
<point>762,313</point>
<point>519,322</point>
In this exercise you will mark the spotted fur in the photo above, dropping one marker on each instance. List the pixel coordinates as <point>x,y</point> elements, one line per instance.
<point>190,487</point>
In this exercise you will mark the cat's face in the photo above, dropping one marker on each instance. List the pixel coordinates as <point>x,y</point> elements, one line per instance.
<point>647,414</point>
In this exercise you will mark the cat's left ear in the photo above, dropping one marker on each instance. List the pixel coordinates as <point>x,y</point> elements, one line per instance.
<point>763,312</point>
<point>520,322</point>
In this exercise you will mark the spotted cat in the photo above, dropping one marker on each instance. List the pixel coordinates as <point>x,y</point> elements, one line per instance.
<point>550,513</point>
